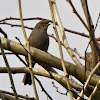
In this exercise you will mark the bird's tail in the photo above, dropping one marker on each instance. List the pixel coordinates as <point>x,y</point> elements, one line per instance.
<point>27,79</point>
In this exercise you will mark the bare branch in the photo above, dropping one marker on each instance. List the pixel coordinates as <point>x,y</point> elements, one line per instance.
<point>49,60</point>
<point>38,18</point>
<point>9,70</point>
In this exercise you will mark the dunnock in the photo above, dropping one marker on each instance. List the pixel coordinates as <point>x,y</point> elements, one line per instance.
<point>38,39</point>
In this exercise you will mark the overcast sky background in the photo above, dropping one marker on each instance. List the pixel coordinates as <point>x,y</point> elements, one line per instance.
<point>40,8</point>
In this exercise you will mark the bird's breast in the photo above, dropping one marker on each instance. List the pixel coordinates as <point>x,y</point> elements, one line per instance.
<point>40,41</point>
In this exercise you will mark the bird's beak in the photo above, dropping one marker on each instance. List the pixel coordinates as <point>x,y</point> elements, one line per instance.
<point>47,24</point>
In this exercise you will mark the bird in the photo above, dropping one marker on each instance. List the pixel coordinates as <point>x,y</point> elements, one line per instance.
<point>38,39</point>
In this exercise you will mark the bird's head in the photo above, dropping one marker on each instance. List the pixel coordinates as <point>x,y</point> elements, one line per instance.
<point>43,24</point>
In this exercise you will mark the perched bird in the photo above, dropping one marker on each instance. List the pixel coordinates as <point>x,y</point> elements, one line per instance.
<point>38,39</point>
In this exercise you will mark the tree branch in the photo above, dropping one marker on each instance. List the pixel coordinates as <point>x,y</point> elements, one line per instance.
<point>49,59</point>
<point>60,79</point>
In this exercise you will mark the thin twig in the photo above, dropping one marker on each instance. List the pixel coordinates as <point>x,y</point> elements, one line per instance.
<point>67,91</point>
<point>5,35</point>
<point>91,28</point>
<point>70,52</point>
<point>60,79</point>
<point>74,58</point>
<point>58,90</point>
<point>21,59</point>
<point>12,94</point>
<point>34,77</point>
<point>93,44</point>
<point>77,33</point>
<point>43,88</point>
<point>30,28</point>
<point>14,25</point>
<point>88,79</point>
<point>75,11</point>
<point>95,93</point>
<point>48,59</point>
<point>24,19</point>
<point>97,22</point>
<point>24,47</point>
<point>29,56</point>
<point>9,71</point>
<point>38,18</point>
<point>80,56</point>
<point>52,7</point>
<point>11,53</point>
